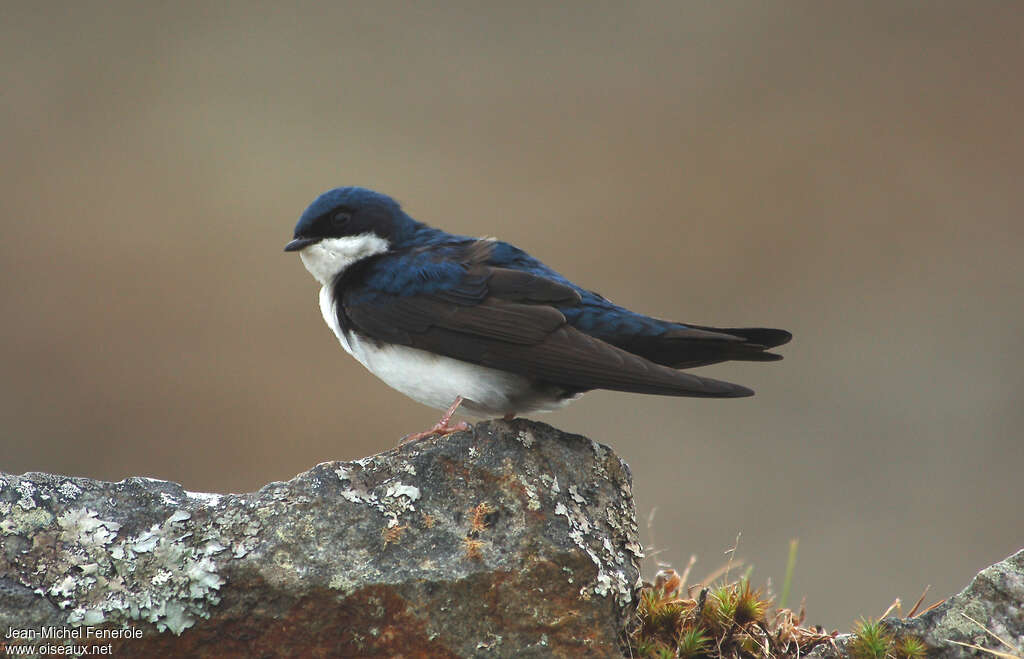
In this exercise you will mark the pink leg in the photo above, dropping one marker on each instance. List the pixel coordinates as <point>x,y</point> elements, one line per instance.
<point>442,427</point>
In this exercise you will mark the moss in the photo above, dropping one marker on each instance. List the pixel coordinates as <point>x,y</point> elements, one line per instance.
<point>871,640</point>
<point>726,619</point>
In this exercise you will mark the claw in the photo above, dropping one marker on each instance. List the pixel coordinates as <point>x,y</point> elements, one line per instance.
<point>441,428</point>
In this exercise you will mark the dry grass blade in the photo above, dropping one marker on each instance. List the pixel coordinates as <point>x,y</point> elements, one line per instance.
<point>897,604</point>
<point>652,549</point>
<point>723,570</point>
<point>686,573</point>
<point>731,552</point>
<point>997,653</point>
<point>918,602</point>
<point>993,635</point>
<point>933,606</point>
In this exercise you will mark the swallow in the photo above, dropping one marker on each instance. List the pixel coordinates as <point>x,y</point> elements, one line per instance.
<point>454,321</point>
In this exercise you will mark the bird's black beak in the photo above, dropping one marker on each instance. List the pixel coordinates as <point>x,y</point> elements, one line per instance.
<point>299,243</point>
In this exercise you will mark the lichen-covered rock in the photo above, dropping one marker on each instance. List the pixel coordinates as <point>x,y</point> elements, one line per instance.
<point>993,601</point>
<point>994,598</point>
<point>511,539</point>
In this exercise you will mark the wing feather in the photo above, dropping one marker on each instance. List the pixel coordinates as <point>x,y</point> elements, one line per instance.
<point>513,326</point>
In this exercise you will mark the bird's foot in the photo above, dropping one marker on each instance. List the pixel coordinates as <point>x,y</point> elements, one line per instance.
<point>441,428</point>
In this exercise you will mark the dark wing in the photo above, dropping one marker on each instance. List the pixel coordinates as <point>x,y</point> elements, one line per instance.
<point>507,319</point>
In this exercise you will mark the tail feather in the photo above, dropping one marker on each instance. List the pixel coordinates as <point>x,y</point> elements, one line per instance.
<point>763,336</point>
<point>690,346</point>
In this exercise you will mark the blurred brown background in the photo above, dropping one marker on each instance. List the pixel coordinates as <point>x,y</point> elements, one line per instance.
<point>851,173</point>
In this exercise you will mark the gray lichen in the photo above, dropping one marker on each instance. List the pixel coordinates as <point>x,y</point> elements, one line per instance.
<point>165,574</point>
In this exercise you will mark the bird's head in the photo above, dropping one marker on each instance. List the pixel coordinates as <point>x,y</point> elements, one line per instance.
<point>345,225</point>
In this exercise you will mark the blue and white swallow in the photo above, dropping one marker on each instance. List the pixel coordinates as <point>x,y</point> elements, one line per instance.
<point>451,320</point>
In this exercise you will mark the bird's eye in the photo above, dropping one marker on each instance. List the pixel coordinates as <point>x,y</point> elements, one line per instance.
<point>341,218</point>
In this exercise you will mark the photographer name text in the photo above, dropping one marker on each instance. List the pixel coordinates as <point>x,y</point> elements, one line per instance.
<point>71,633</point>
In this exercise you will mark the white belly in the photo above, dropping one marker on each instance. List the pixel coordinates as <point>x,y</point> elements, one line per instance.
<point>436,381</point>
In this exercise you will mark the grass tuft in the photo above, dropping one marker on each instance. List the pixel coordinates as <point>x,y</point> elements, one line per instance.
<point>717,617</point>
<point>910,647</point>
<point>693,642</point>
<point>724,619</point>
<point>871,640</point>
<point>750,606</point>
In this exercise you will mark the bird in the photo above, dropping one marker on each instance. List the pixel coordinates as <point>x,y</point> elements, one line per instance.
<point>454,321</point>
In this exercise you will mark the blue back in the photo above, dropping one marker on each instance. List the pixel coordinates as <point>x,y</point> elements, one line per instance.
<point>425,261</point>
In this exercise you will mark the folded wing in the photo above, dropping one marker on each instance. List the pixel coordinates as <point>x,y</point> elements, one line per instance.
<point>508,319</point>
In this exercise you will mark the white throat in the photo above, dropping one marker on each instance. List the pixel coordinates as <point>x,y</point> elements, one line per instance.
<point>331,256</point>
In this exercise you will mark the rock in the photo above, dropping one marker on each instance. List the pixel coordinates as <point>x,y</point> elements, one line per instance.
<point>510,539</point>
<point>994,598</point>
